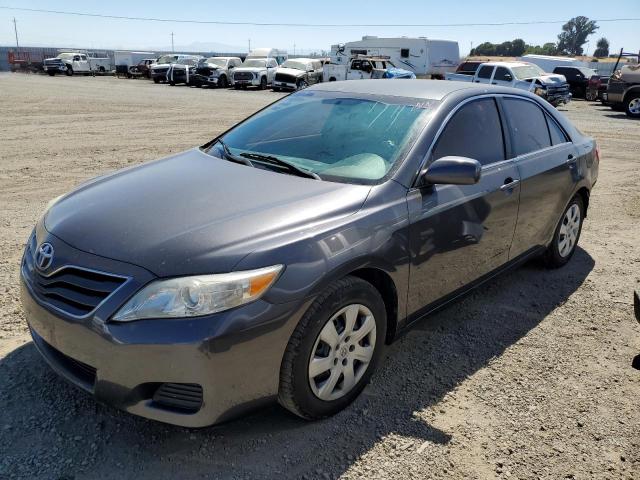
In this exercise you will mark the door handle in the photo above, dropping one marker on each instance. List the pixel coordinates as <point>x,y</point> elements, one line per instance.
<point>571,159</point>
<point>509,184</point>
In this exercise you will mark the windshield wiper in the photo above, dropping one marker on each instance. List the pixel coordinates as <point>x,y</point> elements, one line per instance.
<point>280,163</point>
<point>231,157</point>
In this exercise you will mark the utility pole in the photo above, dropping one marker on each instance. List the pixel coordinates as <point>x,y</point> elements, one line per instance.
<point>15,29</point>
<point>172,49</point>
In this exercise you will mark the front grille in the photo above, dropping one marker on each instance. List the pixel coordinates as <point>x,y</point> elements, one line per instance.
<point>186,397</point>
<point>284,77</point>
<point>243,76</point>
<point>72,290</point>
<point>206,71</point>
<point>51,63</point>
<point>557,90</point>
<point>160,71</point>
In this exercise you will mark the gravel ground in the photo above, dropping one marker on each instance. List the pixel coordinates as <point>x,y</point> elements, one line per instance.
<point>528,377</point>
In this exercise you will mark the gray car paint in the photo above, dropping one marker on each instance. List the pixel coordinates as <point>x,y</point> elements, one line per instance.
<point>191,213</point>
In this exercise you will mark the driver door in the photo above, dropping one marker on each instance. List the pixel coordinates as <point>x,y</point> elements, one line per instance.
<point>458,233</point>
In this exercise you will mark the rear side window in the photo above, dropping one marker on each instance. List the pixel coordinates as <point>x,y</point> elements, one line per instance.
<point>528,126</point>
<point>557,135</point>
<point>473,132</point>
<point>404,52</point>
<point>502,74</point>
<point>485,72</point>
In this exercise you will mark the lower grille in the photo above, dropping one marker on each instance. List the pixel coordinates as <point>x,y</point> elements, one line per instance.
<point>186,397</point>
<point>206,71</point>
<point>76,368</point>
<point>243,76</point>
<point>72,290</point>
<point>283,77</point>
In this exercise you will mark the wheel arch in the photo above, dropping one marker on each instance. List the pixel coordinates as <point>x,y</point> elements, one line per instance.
<point>385,285</point>
<point>631,92</point>
<point>584,194</point>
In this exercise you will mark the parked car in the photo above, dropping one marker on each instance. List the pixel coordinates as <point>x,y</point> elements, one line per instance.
<point>216,71</point>
<point>296,74</point>
<point>183,71</point>
<point>160,69</point>
<point>526,76</point>
<point>577,78</point>
<point>281,257</point>
<point>623,90</point>
<point>597,87</point>
<point>465,69</point>
<point>143,68</point>
<point>76,62</point>
<point>361,67</point>
<point>257,72</point>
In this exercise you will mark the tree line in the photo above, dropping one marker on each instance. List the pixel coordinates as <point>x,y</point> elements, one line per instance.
<point>571,40</point>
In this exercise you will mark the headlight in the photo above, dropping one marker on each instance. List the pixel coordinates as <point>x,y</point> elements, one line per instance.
<point>198,295</point>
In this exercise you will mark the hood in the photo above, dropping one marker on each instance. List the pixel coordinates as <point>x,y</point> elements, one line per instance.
<point>161,65</point>
<point>552,79</point>
<point>250,69</point>
<point>394,72</point>
<point>290,71</point>
<point>193,213</point>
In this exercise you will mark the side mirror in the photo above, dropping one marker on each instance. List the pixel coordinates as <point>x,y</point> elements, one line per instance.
<point>508,77</point>
<point>452,171</point>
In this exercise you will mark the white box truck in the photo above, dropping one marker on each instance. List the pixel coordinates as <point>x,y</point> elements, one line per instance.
<point>422,56</point>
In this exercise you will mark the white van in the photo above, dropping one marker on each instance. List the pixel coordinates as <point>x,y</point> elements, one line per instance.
<point>421,56</point>
<point>279,55</point>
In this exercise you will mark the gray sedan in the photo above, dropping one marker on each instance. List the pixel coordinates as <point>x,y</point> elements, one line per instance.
<point>278,260</point>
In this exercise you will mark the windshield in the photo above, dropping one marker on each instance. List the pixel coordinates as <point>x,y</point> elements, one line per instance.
<point>344,137</point>
<point>587,72</point>
<point>527,71</point>
<point>220,62</point>
<point>167,59</point>
<point>66,56</point>
<point>294,64</point>
<point>253,62</point>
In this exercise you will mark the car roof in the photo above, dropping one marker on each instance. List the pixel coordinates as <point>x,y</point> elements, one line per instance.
<point>508,64</point>
<point>418,88</point>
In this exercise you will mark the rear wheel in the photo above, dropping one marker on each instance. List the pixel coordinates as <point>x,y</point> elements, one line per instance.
<point>334,350</point>
<point>566,235</point>
<point>632,106</point>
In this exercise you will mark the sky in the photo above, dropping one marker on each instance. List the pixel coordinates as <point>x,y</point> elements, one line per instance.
<point>47,29</point>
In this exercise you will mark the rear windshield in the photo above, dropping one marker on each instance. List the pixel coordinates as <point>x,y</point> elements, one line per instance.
<point>352,138</point>
<point>254,63</point>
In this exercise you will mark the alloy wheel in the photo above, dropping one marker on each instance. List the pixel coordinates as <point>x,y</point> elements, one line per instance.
<point>342,352</point>
<point>569,230</point>
<point>634,106</point>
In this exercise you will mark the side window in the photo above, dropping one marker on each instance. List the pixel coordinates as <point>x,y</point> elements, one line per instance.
<point>502,74</point>
<point>474,132</point>
<point>528,126</point>
<point>557,134</point>
<point>356,65</point>
<point>485,72</point>
<point>83,58</point>
<point>76,58</point>
<point>404,53</point>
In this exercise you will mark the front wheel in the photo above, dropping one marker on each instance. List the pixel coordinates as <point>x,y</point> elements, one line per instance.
<point>334,350</point>
<point>302,84</point>
<point>566,235</point>
<point>222,82</point>
<point>69,71</point>
<point>52,74</point>
<point>632,106</point>
<point>156,80</point>
<point>263,83</point>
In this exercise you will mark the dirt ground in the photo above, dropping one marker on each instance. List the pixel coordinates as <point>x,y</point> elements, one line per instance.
<point>528,377</point>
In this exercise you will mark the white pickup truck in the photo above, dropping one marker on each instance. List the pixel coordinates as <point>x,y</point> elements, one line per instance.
<point>362,66</point>
<point>76,62</point>
<point>526,76</point>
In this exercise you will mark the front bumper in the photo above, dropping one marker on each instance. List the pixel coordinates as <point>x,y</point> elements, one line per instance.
<point>556,99</point>
<point>284,85</point>
<point>233,356</point>
<point>205,80</point>
<point>248,82</point>
<point>55,68</point>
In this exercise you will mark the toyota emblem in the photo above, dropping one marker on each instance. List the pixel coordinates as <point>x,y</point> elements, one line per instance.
<point>44,256</point>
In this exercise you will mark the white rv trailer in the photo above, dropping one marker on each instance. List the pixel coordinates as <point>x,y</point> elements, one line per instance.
<point>422,55</point>
<point>121,57</point>
<point>279,55</point>
<point>548,62</point>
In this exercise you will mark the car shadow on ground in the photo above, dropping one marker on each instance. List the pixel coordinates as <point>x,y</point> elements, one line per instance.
<point>51,430</point>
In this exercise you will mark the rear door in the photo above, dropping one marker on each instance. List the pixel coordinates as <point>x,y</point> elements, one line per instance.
<point>459,233</point>
<point>546,161</point>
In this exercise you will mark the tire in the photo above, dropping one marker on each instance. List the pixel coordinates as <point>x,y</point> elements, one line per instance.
<point>567,235</point>
<point>69,72</point>
<point>326,319</point>
<point>276,89</point>
<point>237,87</point>
<point>101,70</point>
<point>156,80</point>
<point>632,106</point>
<point>52,74</point>
<point>172,83</point>
<point>263,83</point>
<point>222,82</point>
<point>301,85</point>
<point>332,79</point>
